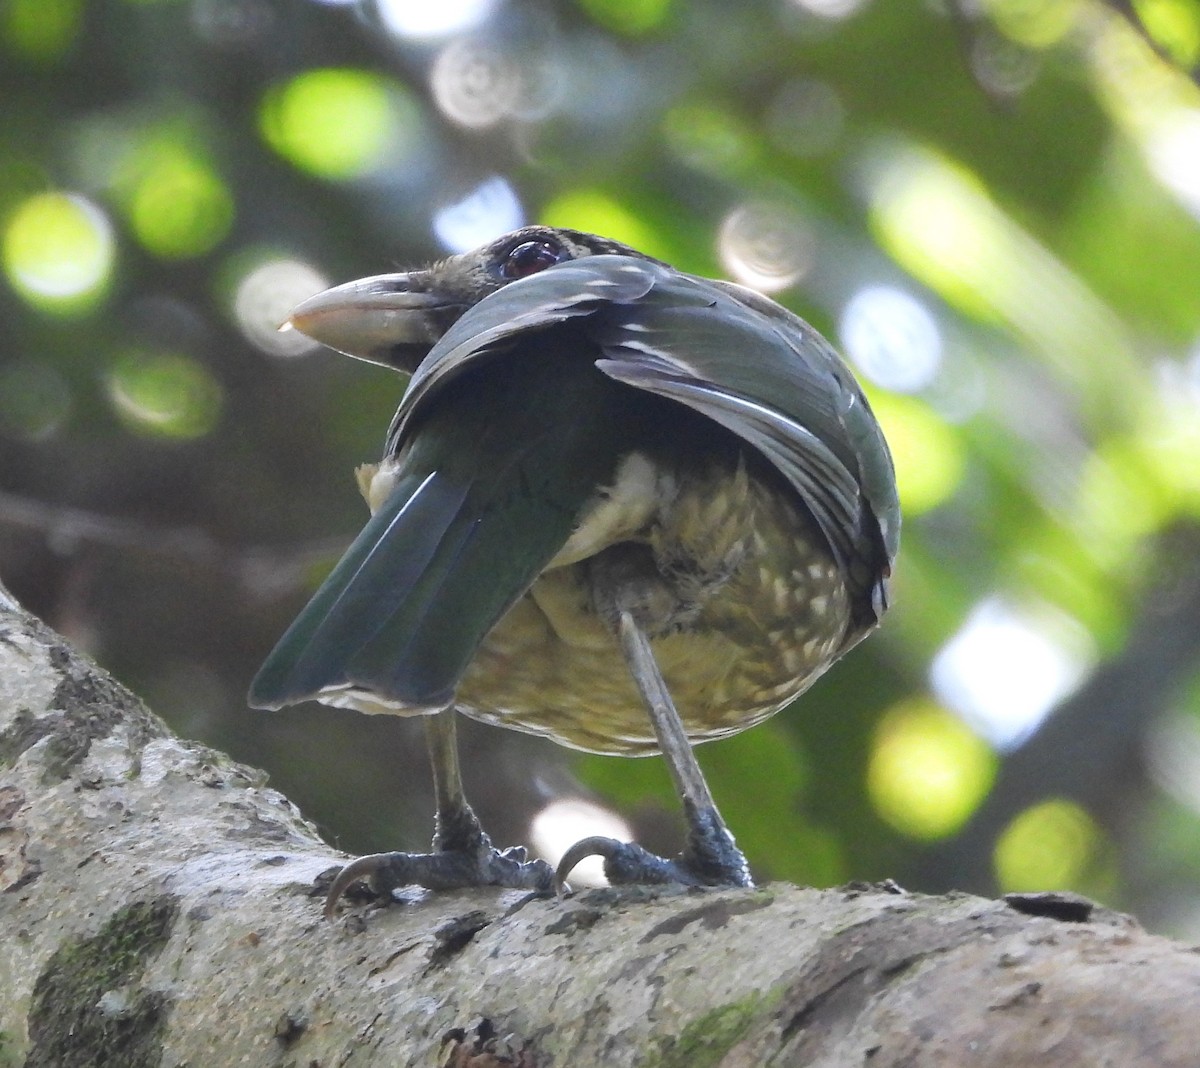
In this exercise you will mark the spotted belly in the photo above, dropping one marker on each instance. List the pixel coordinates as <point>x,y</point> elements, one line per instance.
<point>760,612</point>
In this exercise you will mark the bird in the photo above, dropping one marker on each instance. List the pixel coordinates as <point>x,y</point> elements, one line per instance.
<point>620,506</point>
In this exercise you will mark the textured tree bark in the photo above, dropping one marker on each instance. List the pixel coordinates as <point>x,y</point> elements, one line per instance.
<point>156,909</point>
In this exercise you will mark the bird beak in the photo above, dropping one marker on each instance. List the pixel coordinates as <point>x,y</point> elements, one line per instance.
<point>388,319</point>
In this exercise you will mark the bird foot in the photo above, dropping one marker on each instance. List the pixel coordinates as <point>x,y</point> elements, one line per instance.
<point>452,869</point>
<point>710,858</point>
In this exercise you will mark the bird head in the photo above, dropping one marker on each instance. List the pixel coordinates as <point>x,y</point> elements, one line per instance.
<point>395,319</point>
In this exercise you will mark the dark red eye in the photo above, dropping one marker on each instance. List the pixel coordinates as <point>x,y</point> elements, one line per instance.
<point>529,257</point>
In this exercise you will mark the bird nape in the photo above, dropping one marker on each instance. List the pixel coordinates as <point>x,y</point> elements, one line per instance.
<point>620,506</point>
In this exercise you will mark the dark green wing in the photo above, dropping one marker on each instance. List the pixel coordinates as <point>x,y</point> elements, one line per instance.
<point>764,374</point>
<point>491,481</point>
<point>729,353</point>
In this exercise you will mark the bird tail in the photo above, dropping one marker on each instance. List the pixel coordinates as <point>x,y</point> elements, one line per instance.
<point>487,493</point>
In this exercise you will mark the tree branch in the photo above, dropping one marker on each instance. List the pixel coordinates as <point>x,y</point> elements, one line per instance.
<point>156,903</point>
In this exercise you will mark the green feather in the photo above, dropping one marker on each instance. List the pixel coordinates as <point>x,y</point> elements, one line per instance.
<point>492,481</point>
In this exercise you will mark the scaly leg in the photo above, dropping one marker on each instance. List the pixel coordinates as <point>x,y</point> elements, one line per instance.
<point>463,853</point>
<point>710,856</point>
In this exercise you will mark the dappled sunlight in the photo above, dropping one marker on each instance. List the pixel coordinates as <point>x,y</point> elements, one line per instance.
<point>1007,667</point>
<point>340,123</point>
<point>423,19</point>
<point>928,771</point>
<point>164,394</point>
<point>939,223</point>
<point>58,251</point>
<point>891,338</point>
<point>264,297</point>
<point>487,211</point>
<point>1049,846</point>
<point>567,820</point>
<point>929,453</point>
<point>766,246</point>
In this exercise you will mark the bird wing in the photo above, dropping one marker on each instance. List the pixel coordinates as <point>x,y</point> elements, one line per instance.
<point>488,488</point>
<point>733,355</point>
<point>736,357</point>
<point>363,593</point>
<point>571,290</point>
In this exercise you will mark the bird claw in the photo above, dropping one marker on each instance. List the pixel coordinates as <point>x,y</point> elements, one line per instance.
<point>624,863</point>
<point>710,858</point>
<point>454,869</point>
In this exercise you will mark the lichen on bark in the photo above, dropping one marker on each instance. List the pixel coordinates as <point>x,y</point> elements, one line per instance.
<point>88,1006</point>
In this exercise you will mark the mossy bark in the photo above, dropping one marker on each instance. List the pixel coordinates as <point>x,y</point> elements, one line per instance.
<point>156,908</point>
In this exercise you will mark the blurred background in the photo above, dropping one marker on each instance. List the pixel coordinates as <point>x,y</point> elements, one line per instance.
<point>990,205</point>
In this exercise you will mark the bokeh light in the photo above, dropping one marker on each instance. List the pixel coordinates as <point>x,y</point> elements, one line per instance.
<point>1118,501</point>
<point>489,210</point>
<point>339,123</point>
<point>1007,667</point>
<point>630,17</point>
<point>598,213</point>
<point>35,400</point>
<point>164,394</point>
<point>1170,442</point>
<point>40,30</point>
<point>477,83</point>
<point>767,246</point>
<point>1135,483</point>
<point>1172,754</point>
<point>1173,150</point>
<point>58,252</point>
<point>1034,23</point>
<point>1175,27</point>
<point>928,771</point>
<point>892,338</point>
<point>1004,67</point>
<point>565,821</point>
<point>233,24</point>
<point>938,221</point>
<point>264,297</point>
<point>929,453</point>
<point>772,822</point>
<point>710,137</point>
<point>432,18</point>
<point>178,204</point>
<point>831,9</point>
<point>1049,846</point>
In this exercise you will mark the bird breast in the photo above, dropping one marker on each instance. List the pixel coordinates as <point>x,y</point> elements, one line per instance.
<point>747,609</point>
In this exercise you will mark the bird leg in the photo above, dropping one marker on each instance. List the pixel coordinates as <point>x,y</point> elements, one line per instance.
<point>463,854</point>
<point>710,856</point>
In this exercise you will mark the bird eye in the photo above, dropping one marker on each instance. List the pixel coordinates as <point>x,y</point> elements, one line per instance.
<point>529,257</point>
